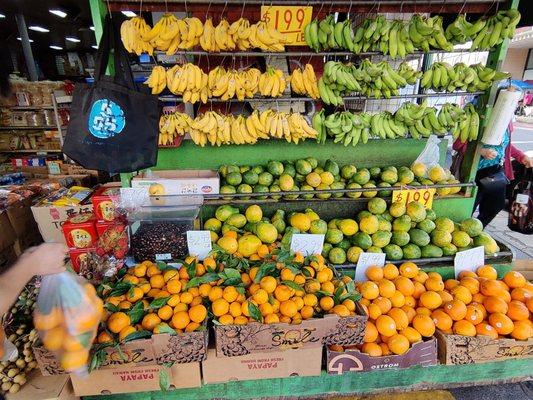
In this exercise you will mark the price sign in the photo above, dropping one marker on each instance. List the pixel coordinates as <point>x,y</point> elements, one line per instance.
<point>367,260</point>
<point>424,196</point>
<point>289,21</point>
<point>307,244</point>
<point>469,260</point>
<point>199,243</point>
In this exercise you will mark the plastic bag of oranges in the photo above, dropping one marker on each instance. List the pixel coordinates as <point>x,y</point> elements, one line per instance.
<point>67,315</point>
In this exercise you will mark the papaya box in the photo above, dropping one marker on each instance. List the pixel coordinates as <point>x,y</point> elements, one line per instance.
<point>352,360</point>
<point>458,349</point>
<point>159,349</point>
<point>238,340</point>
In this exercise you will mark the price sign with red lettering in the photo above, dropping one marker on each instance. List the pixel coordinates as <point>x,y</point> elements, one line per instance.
<point>424,196</point>
<point>288,20</point>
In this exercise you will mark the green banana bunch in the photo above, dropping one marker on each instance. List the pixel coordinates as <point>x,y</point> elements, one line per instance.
<point>328,34</point>
<point>386,126</point>
<point>442,76</point>
<point>467,128</point>
<point>498,27</point>
<point>461,31</point>
<point>318,125</point>
<point>348,128</point>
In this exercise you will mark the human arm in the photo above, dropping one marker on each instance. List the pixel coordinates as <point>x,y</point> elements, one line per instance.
<point>520,156</point>
<point>488,153</point>
<point>45,259</point>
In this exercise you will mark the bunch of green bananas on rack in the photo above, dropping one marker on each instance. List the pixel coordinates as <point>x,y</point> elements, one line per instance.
<point>468,128</point>
<point>442,76</point>
<point>328,34</point>
<point>428,33</point>
<point>348,128</point>
<point>369,79</point>
<point>484,33</point>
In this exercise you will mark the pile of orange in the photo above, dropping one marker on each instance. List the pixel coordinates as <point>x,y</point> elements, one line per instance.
<point>166,304</point>
<point>298,289</point>
<point>480,304</point>
<point>68,324</point>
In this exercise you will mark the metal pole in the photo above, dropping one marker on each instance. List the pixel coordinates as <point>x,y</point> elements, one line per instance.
<point>26,47</point>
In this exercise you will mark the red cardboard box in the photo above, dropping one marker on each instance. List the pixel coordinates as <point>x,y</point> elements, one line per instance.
<point>77,256</point>
<point>80,231</point>
<point>104,202</point>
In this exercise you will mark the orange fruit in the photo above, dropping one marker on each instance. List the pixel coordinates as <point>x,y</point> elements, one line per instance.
<point>374,311</point>
<point>287,275</point>
<point>268,283</point>
<point>522,330</point>
<point>174,286</point>
<point>153,270</point>
<point>390,271</point>
<point>487,330</point>
<point>369,290</point>
<point>124,333</point>
<point>464,274</point>
<point>411,334</point>
<point>180,307</point>
<point>104,337</point>
<point>386,288</point>
<point>464,328</point>
<point>514,279</point>
<point>326,303</point>
<point>225,319</point>
<point>400,318</point>
<point>118,321</point>
<point>383,303</point>
<point>445,296</point>
<point>372,349</point>
<point>215,293</point>
<point>421,276</point>
<point>329,287</point>
<point>230,294</point>
<point>490,287</point>
<point>386,325</point>
<point>54,338</point>
<point>385,349</point>
<point>398,344</point>
<point>140,270</point>
<point>311,300</point>
<point>471,284</point>
<point>529,304</point>
<point>419,289</point>
<point>288,308</point>
<point>410,301</point>
<point>283,293</point>
<point>478,298</point>
<point>481,308</point>
<point>165,313</point>
<point>494,304</point>
<point>435,284</point>
<point>134,294</point>
<point>486,271</point>
<point>473,315</point>
<point>186,298</point>
<point>307,312</point>
<point>517,311</point>
<point>371,332</point>
<point>265,308</point>
<point>180,320</point>
<point>73,360</point>
<point>522,294</point>
<point>235,309</point>
<point>442,320</point>
<point>198,313</point>
<point>409,270</point>
<point>398,299</point>
<point>349,304</point>
<point>462,293</point>
<point>340,310</point>
<point>424,325</point>
<point>430,299</point>
<point>220,307</point>
<point>456,309</point>
<point>270,319</point>
<point>150,320</point>
<point>502,323</point>
<point>449,284</point>
<point>169,274</point>
<point>423,311</point>
<point>404,285</point>
<point>409,311</point>
<point>374,273</point>
<point>157,281</point>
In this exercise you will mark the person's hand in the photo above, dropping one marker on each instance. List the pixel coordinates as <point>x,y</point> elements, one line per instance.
<point>489,154</point>
<point>527,162</point>
<point>45,259</point>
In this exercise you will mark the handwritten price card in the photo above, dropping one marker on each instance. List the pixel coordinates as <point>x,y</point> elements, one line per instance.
<point>367,260</point>
<point>424,196</point>
<point>199,243</point>
<point>307,244</point>
<point>469,260</point>
<point>289,21</point>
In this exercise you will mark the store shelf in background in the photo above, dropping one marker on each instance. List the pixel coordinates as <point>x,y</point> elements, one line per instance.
<point>30,108</point>
<point>30,151</point>
<point>356,6</point>
<point>28,128</point>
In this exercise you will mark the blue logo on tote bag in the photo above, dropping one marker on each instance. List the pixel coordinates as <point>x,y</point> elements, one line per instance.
<point>106,119</point>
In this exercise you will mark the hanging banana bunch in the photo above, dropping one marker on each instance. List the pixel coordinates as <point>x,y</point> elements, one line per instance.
<point>172,126</point>
<point>305,83</point>
<point>272,83</point>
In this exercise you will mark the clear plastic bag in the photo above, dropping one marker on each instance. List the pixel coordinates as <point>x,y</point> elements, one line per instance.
<point>431,154</point>
<point>67,315</point>
<point>8,351</point>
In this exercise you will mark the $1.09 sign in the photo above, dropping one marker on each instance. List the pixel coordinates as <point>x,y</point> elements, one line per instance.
<point>424,196</point>
<point>289,21</point>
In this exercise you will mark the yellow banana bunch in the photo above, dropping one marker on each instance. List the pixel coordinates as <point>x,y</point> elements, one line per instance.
<point>189,81</point>
<point>157,80</point>
<point>173,125</point>
<point>229,84</point>
<point>272,83</point>
<point>305,83</point>
<point>131,32</point>
<point>266,38</point>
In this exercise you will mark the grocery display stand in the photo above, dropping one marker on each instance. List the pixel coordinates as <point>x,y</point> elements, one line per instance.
<point>398,152</point>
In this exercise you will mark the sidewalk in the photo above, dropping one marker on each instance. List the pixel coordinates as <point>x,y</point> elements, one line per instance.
<point>520,244</point>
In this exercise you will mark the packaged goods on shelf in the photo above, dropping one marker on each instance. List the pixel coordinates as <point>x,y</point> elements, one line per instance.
<point>163,183</point>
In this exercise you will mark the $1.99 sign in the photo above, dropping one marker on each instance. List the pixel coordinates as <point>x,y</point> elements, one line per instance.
<point>424,196</point>
<point>290,21</point>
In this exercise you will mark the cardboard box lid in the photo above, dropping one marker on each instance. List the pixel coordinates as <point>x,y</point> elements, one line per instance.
<point>41,387</point>
<point>178,174</point>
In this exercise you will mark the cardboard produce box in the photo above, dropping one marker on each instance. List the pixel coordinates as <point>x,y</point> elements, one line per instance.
<point>50,219</point>
<point>457,349</point>
<point>273,364</point>
<point>158,349</point>
<point>41,387</point>
<point>131,379</point>
<point>238,340</point>
<point>352,360</point>
<point>179,182</point>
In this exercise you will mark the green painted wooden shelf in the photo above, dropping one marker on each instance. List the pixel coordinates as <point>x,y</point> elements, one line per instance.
<point>440,376</point>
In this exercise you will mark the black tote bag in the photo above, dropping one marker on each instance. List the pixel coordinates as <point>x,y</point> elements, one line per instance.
<point>113,126</point>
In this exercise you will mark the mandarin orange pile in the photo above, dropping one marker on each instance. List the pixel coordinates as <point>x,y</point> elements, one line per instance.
<point>292,291</point>
<point>154,300</point>
<point>480,304</point>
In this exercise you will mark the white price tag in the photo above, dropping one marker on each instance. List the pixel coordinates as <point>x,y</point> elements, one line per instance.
<point>199,243</point>
<point>368,260</point>
<point>307,244</point>
<point>163,257</point>
<point>522,198</point>
<point>469,260</point>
